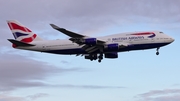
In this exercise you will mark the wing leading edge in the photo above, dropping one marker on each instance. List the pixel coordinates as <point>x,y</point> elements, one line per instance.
<point>68,33</point>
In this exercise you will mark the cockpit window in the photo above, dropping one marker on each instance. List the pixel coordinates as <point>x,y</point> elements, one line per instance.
<point>161,32</point>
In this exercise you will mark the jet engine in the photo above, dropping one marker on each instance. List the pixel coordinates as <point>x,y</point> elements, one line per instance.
<point>111,55</point>
<point>89,41</point>
<point>112,47</point>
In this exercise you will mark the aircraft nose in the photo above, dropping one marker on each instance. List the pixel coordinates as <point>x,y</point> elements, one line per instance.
<point>172,40</point>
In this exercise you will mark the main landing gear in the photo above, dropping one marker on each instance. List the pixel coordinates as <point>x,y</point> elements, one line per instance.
<point>157,53</point>
<point>94,57</point>
<point>100,57</point>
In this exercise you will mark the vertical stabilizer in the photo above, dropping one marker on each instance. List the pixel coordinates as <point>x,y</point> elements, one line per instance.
<point>22,33</point>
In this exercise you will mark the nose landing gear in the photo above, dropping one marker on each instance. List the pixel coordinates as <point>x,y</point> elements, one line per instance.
<point>157,53</point>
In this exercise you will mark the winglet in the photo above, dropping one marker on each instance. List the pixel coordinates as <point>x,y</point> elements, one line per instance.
<point>58,28</point>
<point>55,27</point>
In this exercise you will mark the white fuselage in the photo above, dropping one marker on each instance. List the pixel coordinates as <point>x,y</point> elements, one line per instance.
<point>133,42</point>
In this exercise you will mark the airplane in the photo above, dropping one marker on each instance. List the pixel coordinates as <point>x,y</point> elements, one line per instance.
<point>92,48</point>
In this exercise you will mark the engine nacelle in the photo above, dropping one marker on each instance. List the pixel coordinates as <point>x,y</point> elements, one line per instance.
<point>111,55</point>
<point>89,41</point>
<point>112,47</point>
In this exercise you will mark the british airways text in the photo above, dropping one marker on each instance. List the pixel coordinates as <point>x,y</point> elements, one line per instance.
<point>127,38</point>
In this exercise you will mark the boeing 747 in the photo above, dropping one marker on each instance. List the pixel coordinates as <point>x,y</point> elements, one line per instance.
<point>91,48</point>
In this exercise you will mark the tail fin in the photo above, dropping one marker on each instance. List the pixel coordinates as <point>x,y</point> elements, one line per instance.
<point>22,33</point>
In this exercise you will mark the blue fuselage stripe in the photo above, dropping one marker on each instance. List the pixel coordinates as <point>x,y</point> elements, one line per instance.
<point>128,48</point>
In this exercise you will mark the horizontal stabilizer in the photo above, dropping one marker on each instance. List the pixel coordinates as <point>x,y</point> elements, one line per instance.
<point>19,43</point>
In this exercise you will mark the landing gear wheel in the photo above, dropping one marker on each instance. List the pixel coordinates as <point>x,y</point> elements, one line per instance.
<point>100,57</point>
<point>157,53</point>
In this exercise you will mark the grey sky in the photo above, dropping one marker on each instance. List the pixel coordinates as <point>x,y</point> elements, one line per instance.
<point>88,16</point>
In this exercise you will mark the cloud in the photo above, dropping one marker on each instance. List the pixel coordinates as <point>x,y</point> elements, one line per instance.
<point>65,62</point>
<point>20,72</point>
<point>90,15</point>
<point>87,17</point>
<point>167,98</point>
<point>159,92</point>
<point>88,86</point>
<point>8,97</point>
<point>37,96</point>
<point>161,95</point>
<point>163,98</point>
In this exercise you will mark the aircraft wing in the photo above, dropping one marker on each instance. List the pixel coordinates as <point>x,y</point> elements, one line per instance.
<point>68,33</point>
<point>78,38</point>
<point>73,35</point>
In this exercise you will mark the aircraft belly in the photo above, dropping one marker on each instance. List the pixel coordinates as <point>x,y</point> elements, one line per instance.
<point>142,46</point>
<point>128,48</point>
<point>67,51</point>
